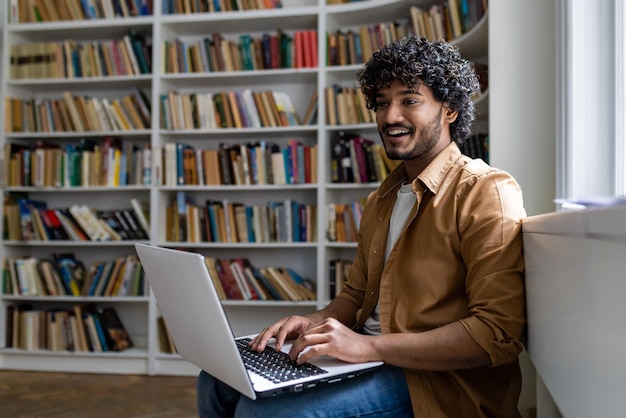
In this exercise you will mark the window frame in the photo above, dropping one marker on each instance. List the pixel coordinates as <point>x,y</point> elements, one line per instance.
<point>591,148</point>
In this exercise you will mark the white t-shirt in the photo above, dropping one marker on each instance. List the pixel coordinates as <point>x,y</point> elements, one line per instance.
<point>401,210</point>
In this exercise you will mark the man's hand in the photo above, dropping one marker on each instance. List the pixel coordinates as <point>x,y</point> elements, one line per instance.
<point>287,328</point>
<point>316,326</point>
<point>330,337</point>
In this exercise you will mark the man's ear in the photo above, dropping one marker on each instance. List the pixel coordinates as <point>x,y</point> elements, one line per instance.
<point>449,115</point>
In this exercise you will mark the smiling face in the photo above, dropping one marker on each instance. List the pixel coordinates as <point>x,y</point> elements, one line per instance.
<point>413,125</point>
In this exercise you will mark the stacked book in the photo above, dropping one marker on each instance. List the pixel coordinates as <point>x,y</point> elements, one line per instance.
<point>32,220</point>
<point>238,279</point>
<point>83,328</point>
<point>65,275</point>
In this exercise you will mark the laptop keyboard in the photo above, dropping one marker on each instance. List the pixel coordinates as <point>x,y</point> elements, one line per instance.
<point>274,365</point>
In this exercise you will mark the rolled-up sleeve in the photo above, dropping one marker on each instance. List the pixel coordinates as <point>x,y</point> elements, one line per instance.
<point>491,246</point>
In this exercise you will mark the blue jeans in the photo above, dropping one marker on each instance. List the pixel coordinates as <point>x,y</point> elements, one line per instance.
<point>381,393</point>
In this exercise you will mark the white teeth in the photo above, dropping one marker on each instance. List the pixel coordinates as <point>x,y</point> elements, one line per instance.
<point>397,132</point>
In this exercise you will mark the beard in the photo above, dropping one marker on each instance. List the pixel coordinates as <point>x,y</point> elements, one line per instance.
<point>426,139</point>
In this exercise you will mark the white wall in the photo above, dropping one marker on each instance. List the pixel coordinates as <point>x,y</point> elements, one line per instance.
<point>522,98</point>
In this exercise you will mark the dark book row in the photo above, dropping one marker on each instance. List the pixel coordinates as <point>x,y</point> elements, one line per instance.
<point>476,146</point>
<point>239,279</point>
<point>78,113</point>
<point>346,106</point>
<point>239,164</point>
<point>64,275</point>
<point>29,11</point>
<point>129,55</point>
<point>344,220</point>
<point>443,20</point>
<point>227,109</point>
<point>337,275</point>
<point>231,222</point>
<point>247,52</point>
<point>31,220</point>
<point>166,343</point>
<point>83,328</point>
<point>355,159</point>
<point>107,162</point>
<point>212,6</point>
<point>355,46</point>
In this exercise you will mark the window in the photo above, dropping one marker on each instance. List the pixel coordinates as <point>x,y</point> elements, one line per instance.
<point>590,69</point>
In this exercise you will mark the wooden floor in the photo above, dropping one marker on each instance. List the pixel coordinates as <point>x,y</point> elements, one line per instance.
<point>69,395</point>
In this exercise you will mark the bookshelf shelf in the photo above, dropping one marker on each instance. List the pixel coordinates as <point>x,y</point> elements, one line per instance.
<point>131,353</point>
<point>78,299</point>
<point>473,42</point>
<point>341,244</point>
<point>269,304</point>
<point>350,186</point>
<point>239,188</point>
<point>81,28</point>
<point>241,132</point>
<point>252,78</point>
<point>58,243</point>
<point>309,259</point>
<point>240,245</point>
<point>356,13</point>
<point>73,135</point>
<point>257,20</point>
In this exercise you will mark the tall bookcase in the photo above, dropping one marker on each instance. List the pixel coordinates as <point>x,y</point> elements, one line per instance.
<point>310,259</point>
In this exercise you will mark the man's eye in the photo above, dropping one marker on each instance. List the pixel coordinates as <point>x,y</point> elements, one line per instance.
<point>380,104</point>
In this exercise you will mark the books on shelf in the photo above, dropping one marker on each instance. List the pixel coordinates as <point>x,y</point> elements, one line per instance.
<point>445,20</point>
<point>231,222</point>
<point>116,336</point>
<point>142,214</point>
<point>337,275</point>
<point>343,221</point>
<point>32,11</point>
<point>31,220</point>
<point>166,343</point>
<point>256,163</point>
<point>186,7</point>
<point>310,117</point>
<point>228,109</point>
<point>81,328</point>
<point>354,159</point>
<point>215,53</point>
<point>346,106</point>
<point>106,162</point>
<point>476,146</point>
<point>239,279</point>
<point>31,223</point>
<point>77,113</point>
<point>129,55</point>
<point>65,275</point>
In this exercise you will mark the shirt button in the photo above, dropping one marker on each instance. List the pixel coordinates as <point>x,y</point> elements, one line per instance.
<point>371,293</point>
<point>380,219</point>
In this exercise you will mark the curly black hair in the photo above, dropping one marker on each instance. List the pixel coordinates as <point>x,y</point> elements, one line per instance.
<point>437,64</point>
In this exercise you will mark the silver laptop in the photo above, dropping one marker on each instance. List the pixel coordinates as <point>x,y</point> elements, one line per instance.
<point>203,336</point>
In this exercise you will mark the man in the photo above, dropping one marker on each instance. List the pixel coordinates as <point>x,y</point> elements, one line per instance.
<point>436,289</point>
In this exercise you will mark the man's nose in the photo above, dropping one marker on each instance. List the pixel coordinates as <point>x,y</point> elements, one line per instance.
<point>393,113</point>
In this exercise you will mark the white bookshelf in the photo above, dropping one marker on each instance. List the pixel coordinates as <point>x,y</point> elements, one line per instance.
<point>310,259</point>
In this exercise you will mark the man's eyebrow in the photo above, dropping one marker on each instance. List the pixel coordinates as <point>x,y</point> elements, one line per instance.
<point>403,93</point>
<point>409,92</point>
<point>406,92</point>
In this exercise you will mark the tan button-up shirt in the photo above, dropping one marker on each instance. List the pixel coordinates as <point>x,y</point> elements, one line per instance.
<point>459,258</point>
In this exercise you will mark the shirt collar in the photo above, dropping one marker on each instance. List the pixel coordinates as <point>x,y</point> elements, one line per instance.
<point>432,175</point>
